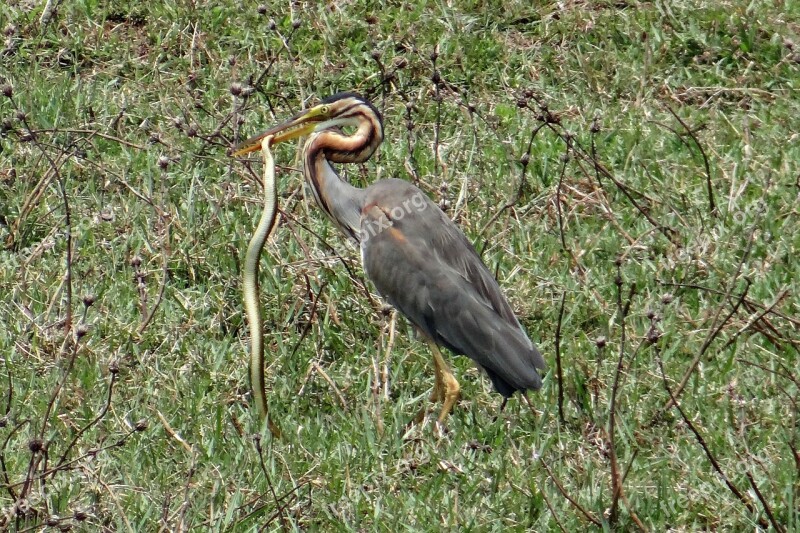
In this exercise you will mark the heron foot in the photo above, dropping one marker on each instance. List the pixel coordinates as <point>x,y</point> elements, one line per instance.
<point>446,388</point>
<point>450,395</point>
<point>440,427</point>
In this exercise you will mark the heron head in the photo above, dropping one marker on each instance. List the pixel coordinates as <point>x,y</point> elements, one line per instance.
<point>337,111</point>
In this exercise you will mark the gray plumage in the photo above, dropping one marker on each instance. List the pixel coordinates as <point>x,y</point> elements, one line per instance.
<point>422,263</point>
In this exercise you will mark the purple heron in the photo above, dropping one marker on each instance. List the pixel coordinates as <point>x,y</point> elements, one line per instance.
<point>416,257</point>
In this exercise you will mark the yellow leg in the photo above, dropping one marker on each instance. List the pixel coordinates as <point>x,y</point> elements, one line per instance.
<point>446,387</point>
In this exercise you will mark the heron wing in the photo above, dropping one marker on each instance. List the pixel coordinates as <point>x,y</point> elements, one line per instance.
<point>422,263</point>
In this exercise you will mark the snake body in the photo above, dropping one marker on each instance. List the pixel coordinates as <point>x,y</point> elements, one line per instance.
<point>250,286</point>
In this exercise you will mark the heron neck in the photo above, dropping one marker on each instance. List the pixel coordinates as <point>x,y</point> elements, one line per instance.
<point>338,199</point>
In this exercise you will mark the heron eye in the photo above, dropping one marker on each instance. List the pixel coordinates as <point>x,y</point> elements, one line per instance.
<point>325,109</point>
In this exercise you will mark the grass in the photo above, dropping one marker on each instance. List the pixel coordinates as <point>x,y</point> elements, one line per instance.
<point>125,394</point>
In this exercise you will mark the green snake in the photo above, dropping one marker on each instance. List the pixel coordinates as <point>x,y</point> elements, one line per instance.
<point>250,286</point>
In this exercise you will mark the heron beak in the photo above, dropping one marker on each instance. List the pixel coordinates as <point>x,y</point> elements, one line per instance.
<point>297,126</point>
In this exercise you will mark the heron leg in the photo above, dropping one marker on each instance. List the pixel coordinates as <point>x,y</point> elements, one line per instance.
<point>446,387</point>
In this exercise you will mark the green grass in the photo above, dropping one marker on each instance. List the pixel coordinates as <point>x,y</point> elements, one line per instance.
<point>103,98</point>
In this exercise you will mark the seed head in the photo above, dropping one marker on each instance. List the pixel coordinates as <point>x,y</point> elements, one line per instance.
<point>600,342</point>
<point>653,334</point>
